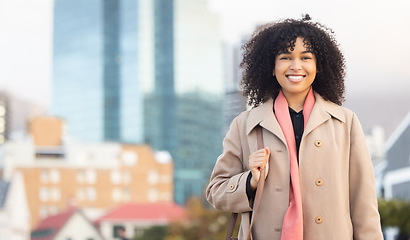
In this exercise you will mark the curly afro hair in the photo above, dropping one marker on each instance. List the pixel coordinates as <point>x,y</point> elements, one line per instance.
<point>259,53</point>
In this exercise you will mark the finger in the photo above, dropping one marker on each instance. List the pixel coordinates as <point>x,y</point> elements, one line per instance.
<point>258,158</point>
<point>260,152</point>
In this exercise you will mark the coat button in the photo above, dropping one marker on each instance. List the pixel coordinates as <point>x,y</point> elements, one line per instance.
<point>318,143</point>
<point>319,182</point>
<point>318,219</point>
<point>231,187</point>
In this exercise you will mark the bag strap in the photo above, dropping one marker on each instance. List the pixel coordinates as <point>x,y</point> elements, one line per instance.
<point>231,226</point>
<point>258,194</point>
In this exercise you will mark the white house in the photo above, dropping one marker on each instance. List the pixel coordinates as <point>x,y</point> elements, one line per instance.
<point>71,224</point>
<point>14,211</point>
<point>136,217</point>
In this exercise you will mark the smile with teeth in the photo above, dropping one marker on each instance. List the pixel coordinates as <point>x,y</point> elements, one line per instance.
<point>295,78</point>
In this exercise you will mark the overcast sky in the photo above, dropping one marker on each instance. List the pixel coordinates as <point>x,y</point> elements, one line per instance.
<point>374,36</point>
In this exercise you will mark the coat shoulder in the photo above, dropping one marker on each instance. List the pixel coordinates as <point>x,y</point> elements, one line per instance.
<point>242,118</point>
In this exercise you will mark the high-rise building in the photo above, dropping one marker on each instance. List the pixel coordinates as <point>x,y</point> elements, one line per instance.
<point>234,102</point>
<point>158,75</point>
<point>143,71</point>
<point>95,74</point>
<point>184,105</point>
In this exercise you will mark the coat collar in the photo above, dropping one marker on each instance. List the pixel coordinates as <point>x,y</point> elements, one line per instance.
<point>321,112</point>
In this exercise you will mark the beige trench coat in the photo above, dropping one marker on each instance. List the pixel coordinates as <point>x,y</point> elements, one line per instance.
<point>336,175</point>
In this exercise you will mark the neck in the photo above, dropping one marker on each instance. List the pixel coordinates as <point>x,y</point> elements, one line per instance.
<point>296,101</point>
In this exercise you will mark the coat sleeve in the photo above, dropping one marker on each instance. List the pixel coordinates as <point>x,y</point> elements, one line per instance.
<point>227,188</point>
<point>363,201</point>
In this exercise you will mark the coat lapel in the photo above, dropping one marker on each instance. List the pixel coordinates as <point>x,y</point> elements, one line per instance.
<point>263,115</point>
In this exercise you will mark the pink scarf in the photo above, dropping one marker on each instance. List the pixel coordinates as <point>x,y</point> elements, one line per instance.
<point>292,228</point>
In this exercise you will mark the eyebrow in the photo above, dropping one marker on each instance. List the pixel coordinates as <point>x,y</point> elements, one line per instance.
<point>287,52</point>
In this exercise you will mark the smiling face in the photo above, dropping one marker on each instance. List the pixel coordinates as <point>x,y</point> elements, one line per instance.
<point>295,70</point>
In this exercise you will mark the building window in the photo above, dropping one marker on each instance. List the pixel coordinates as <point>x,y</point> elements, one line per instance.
<point>80,194</point>
<point>44,176</point>
<point>43,211</point>
<point>43,194</point>
<point>91,194</point>
<point>55,194</point>
<point>126,193</point>
<point>91,176</point>
<point>153,177</point>
<point>153,195</point>
<point>54,176</point>
<point>80,176</point>
<point>129,158</point>
<point>115,177</point>
<point>116,194</point>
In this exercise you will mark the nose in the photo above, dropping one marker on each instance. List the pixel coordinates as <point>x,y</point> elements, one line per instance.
<point>295,65</point>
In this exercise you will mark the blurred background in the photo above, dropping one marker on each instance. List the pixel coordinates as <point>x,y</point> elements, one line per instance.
<point>113,112</point>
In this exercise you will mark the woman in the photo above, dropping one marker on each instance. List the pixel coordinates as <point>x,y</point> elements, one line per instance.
<point>319,182</point>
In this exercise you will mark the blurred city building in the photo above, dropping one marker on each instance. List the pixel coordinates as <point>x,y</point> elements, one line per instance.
<point>123,70</point>
<point>14,113</point>
<point>183,88</point>
<point>95,84</point>
<point>70,224</point>
<point>14,210</point>
<point>396,168</point>
<point>233,101</point>
<point>91,176</point>
<point>136,217</point>
<point>375,139</point>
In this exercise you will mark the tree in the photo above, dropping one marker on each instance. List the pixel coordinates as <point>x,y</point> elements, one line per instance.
<point>153,233</point>
<point>395,213</point>
<point>203,223</point>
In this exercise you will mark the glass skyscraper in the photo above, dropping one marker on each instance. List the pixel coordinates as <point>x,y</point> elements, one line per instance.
<point>183,98</point>
<point>143,71</point>
<point>95,74</point>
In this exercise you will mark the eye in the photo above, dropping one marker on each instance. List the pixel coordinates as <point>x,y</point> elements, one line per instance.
<point>284,58</point>
<point>306,58</point>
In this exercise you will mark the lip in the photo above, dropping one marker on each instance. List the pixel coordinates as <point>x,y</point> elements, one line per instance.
<point>295,78</point>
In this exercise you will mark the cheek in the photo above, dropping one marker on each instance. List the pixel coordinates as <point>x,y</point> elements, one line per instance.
<point>312,68</point>
<point>278,68</point>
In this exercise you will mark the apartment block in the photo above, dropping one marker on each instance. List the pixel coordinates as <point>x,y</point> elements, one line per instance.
<point>91,176</point>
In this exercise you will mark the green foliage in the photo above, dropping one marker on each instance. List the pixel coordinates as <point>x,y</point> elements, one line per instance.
<point>202,223</point>
<point>395,213</point>
<point>153,233</point>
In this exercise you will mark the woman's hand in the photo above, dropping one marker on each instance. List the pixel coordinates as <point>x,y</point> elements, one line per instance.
<point>257,162</point>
